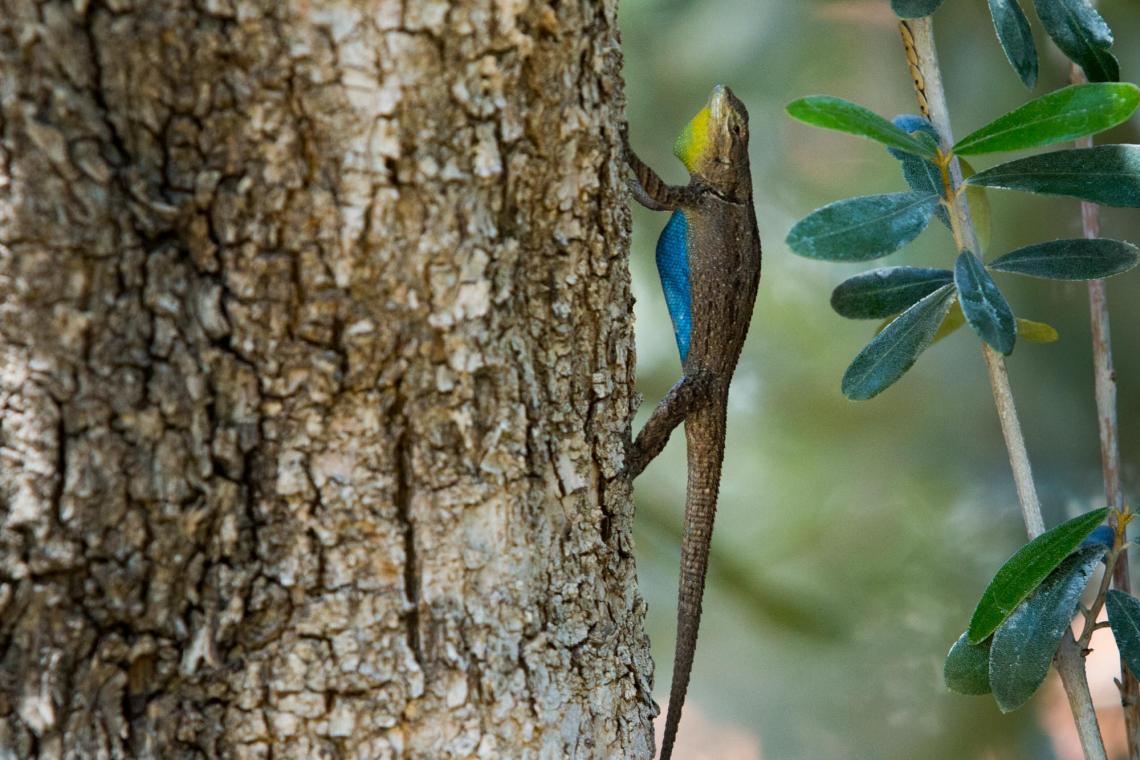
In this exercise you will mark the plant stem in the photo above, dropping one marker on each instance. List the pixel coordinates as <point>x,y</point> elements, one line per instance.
<point>1104,384</point>
<point>922,56</point>
<point>1014,443</point>
<point>1093,612</point>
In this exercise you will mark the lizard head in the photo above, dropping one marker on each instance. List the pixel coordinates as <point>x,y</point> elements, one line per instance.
<point>714,145</point>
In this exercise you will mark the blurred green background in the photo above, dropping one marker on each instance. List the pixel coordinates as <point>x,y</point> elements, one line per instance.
<point>853,539</point>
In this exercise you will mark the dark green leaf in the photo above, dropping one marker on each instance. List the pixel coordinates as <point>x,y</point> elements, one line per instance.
<point>1067,114</point>
<point>1078,259</point>
<point>1107,174</point>
<point>983,304</point>
<point>1016,39</point>
<point>882,292</point>
<point>836,113</point>
<point>1024,571</point>
<point>863,228</point>
<point>967,668</point>
<point>921,175</point>
<point>914,8</point>
<point>894,350</point>
<point>1124,618</point>
<point>1024,645</point>
<point>924,177</point>
<point>1082,35</point>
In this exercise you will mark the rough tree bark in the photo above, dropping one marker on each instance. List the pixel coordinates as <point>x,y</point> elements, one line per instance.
<point>315,379</point>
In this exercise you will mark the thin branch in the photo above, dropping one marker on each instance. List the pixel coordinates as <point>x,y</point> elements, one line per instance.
<point>1093,612</point>
<point>1014,443</point>
<point>918,39</point>
<point>1104,384</point>
<point>922,56</point>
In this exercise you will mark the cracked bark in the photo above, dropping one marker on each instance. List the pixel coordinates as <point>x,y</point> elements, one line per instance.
<point>315,379</point>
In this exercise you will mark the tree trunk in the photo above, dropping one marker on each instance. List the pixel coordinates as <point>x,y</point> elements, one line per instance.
<point>315,380</point>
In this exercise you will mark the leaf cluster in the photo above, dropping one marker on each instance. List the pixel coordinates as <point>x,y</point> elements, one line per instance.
<point>924,304</point>
<point>1073,25</point>
<point>1024,612</point>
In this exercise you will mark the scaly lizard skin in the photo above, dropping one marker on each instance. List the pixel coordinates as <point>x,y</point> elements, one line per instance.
<point>709,260</point>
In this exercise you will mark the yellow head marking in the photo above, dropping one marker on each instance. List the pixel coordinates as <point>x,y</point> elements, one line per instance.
<point>693,140</point>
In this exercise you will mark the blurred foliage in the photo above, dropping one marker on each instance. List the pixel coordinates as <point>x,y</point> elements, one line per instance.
<point>853,539</point>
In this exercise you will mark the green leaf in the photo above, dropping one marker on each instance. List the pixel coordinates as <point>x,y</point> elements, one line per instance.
<point>843,115</point>
<point>882,292</point>
<point>914,8</point>
<point>1106,174</point>
<point>921,175</point>
<point>1066,114</point>
<point>1024,571</point>
<point>967,668</point>
<point>983,304</point>
<point>1078,259</point>
<point>1124,619</point>
<point>1082,35</point>
<point>894,350</point>
<point>1024,645</point>
<point>863,228</point>
<point>1036,332</point>
<point>1016,39</point>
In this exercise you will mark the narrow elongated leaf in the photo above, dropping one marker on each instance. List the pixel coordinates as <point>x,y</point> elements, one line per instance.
<point>924,177</point>
<point>882,292</point>
<point>1024,571</point>
<point>967,667</point>
<point>1124,619</point>
<point>983,304</point>
<point>914,8</point>
<point>894,350</point>
<point>1016,39</point>
<point>1036,332</point>
<point>921,174</point>
<point>863,228</point>
<point>1079,259</point>
<point>1106,174</point>
<point>1024,645</point>
<point>843,115</point>
<point>1082,35</point>
<point>1066,114</point>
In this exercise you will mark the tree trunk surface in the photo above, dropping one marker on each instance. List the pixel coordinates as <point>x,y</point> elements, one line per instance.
<point>316,374</point>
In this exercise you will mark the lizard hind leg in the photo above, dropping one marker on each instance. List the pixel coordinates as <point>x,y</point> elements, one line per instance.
<point>686,395</point>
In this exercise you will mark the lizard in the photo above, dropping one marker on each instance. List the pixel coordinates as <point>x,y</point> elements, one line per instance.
<point>708,257</point>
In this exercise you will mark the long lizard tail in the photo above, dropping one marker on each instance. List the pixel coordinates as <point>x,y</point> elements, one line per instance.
<point>704,434</point>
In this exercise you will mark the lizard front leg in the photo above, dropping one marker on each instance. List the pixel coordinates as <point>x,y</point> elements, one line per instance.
<point>649,189</point>
<point>687,394</point>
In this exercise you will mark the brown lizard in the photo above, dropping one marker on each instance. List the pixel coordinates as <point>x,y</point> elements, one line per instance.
<point>708,257</point>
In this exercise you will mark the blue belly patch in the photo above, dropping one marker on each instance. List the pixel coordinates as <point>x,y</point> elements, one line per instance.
<point>673,266</point>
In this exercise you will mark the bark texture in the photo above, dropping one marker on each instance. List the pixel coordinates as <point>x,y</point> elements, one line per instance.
<point>315,381</point>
